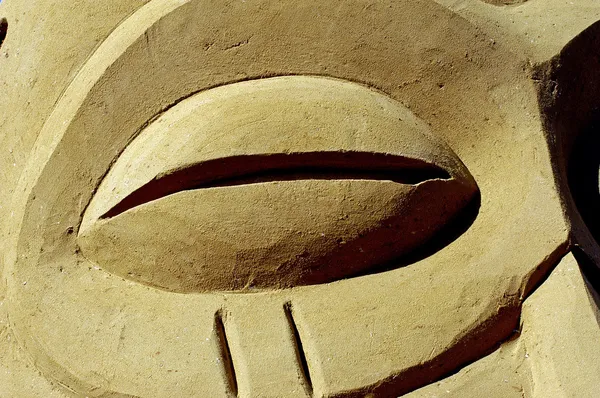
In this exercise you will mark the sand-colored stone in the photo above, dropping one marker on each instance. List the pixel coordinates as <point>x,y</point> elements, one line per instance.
<point>197,199</point>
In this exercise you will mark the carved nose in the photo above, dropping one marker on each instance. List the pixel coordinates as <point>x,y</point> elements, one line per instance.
<point>272,184</point>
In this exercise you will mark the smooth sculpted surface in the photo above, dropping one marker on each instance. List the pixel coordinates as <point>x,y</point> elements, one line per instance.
<point>299,199</point>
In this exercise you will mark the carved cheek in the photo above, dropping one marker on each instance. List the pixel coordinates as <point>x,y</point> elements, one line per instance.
<point>273,183</point>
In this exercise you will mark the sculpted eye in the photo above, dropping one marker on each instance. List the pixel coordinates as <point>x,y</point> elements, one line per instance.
<point>273,183</point>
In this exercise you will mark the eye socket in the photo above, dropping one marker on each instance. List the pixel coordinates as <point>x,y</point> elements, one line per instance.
<point>271,184</point>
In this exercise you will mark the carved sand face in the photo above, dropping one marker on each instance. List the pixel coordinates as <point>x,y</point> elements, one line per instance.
<point>229,195</point>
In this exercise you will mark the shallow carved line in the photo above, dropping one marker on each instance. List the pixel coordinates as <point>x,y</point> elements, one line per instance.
<point>300,354</point>
<point>228,367</point>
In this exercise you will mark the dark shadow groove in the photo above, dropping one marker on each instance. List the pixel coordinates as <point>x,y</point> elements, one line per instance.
<point>226,360</point>
<point>300,354</point>
<point>583,172</point>
<point>505,3</point>
<point>3,30</point>
<point>543,271</point>
<point>253,169</point>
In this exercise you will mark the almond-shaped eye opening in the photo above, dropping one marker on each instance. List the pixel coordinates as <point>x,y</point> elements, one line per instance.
<point>254,169</point>
<point>277,183</point>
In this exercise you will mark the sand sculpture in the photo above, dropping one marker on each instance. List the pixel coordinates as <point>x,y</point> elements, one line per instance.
<point>299,199</point>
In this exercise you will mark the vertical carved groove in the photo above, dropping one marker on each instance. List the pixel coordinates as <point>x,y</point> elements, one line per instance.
<point>3,30</point>
<point>228,368</point>
<point>300,354</point>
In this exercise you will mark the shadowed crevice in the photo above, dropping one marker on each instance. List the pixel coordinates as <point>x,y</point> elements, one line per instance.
<point>583,175</point>
<point>591,273</point>
<point>3,30</point>
<point>504,2</point>
<point>298,347</point>
<point>225,353</point>
<point>254,169</point>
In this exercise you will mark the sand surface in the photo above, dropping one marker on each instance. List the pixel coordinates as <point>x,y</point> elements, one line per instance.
<point>280,199</point>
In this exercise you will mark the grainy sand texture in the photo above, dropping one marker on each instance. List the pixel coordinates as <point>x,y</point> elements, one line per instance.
<point>341,198</point>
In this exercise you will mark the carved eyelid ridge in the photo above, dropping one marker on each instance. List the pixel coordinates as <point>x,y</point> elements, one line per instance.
<point>317,179</point>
